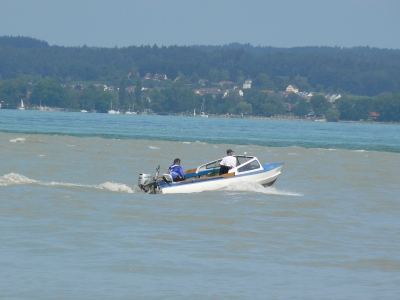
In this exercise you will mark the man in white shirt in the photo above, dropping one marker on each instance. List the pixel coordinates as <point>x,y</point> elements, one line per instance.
<point>227,163</point>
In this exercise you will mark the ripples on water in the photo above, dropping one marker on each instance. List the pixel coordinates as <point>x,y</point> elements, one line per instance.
<point>74,224</point>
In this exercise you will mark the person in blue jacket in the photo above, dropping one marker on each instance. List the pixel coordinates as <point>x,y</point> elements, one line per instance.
<point>176,171</point>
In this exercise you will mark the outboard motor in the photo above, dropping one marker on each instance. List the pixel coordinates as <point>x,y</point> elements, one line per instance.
<point>147,183</point>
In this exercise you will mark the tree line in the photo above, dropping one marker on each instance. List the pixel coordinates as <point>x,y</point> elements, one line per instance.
<point>176,97</point>
<point>50,74</point>
<point>359,70</point>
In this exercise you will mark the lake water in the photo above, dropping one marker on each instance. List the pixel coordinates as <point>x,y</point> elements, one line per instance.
<point>73,223</point>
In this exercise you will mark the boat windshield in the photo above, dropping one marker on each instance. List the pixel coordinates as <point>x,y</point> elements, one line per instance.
<point>213,165</point>
<point>242,159</point>
<point>252,165</point>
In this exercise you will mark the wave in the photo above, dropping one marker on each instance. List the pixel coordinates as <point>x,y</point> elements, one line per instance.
<point>16,140</point>
<point>243,186</point>
<point>14,179</point>
<point>388,145</point>
<point>327,149</point>
<point>17,179</point>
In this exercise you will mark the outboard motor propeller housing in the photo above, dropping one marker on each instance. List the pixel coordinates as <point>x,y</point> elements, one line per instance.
<point>147,183</point>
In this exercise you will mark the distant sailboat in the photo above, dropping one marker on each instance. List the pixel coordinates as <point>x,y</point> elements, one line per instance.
<point>130,112</point>
<point>113,112</point>
<point>22,107</point>
<point>202,114</point>
<point>83,110</point>
<point>194,113</point>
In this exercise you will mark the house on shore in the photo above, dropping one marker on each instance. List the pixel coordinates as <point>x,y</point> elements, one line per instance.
<point>210,91</point>
<point>247,84</point>
<point>332,97</point>
<point>226,93</point>
<point>292,88</point>
<point>373,115</point>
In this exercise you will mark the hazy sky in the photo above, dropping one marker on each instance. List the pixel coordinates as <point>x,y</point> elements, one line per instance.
<point>279,23</point>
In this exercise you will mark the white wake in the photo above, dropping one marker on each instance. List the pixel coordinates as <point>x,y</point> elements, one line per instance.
<point>17,179</point>
<point>243,186</point>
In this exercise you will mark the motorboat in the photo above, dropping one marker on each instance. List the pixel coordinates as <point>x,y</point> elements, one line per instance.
<point>206,177</point>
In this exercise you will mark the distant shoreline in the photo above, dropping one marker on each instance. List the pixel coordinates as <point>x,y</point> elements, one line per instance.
<point>288,119</point>
<point>56,109</point>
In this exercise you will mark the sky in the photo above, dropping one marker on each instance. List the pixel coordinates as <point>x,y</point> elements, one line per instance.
<point>278,23</point>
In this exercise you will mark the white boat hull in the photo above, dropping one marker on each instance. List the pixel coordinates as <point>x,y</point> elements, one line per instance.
<point>113,112</point>
<point>212,184</point>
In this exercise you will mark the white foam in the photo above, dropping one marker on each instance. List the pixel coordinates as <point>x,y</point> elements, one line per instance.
<point>243,186</point>
<point>153,147</point>
<point>115,187</point>
<point>329,149</point>
<point>55,183</point>
<point>360,151</point>
<point>17,179</point>
<point>20,140</point>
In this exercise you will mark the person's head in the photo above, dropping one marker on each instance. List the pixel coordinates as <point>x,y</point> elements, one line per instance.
<point>177,161</point>
<point>229,152</point>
